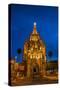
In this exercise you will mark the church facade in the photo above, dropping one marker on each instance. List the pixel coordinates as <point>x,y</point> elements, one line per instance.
<point>35,55</point>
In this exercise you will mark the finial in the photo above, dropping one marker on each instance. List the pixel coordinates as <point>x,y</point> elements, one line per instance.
<point>34,29</point>
<point>34,23</point>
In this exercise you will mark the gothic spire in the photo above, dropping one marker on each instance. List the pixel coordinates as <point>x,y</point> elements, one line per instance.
<point>34,29</point>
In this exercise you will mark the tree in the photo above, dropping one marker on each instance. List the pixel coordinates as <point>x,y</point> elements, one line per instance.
<point>19,51</point>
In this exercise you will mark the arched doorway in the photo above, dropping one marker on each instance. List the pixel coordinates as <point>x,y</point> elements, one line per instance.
<point>35,71</point>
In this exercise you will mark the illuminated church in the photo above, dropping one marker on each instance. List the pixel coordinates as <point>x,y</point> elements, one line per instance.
<point>35,55</point>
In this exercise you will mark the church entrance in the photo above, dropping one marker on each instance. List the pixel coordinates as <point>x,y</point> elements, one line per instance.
<point>35,71</point>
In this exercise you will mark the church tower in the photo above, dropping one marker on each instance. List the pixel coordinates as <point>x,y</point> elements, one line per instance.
<point>35,55</point>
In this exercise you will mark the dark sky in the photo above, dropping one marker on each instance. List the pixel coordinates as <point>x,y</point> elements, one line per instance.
<point>22,19</point>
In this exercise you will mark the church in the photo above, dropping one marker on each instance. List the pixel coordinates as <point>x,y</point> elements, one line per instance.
<point>34,54</point>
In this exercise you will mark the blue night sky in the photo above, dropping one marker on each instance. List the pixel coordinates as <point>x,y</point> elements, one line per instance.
<point>22,19</point>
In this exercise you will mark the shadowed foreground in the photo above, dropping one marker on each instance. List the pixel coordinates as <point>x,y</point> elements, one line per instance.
<point>42,80</point>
